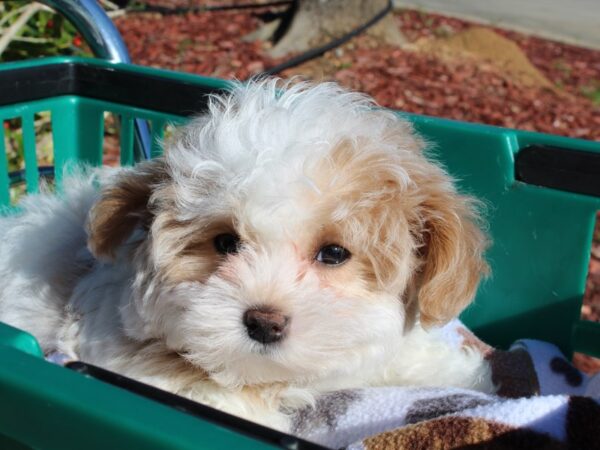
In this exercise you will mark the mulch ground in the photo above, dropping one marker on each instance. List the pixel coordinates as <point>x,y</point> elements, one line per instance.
<point>210,43</point>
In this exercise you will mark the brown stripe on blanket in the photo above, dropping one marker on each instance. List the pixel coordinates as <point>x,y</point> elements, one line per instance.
<point>461,432</point>
<point>583,423</point>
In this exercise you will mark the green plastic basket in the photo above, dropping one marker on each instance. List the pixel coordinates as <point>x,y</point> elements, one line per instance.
<point>543,193</point>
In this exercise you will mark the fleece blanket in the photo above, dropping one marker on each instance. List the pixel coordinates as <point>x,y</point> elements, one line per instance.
<point>544,402</point>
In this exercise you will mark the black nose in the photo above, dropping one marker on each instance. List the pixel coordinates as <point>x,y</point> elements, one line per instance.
<point>266,325</point>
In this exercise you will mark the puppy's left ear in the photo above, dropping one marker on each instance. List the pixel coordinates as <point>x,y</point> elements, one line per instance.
<point>123,206</point>
<point>452,252</point>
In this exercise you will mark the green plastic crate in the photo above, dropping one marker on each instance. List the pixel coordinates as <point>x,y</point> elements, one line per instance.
<point>542,192</point>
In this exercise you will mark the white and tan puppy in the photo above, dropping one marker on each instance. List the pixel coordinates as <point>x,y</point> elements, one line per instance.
<point>288,243</point>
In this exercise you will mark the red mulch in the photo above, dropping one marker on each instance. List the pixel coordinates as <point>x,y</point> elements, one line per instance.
<point>573,68</point>
<point>205,43</point>
<point>423,84</point>
<point>210,44</point>
<point>591,299</point>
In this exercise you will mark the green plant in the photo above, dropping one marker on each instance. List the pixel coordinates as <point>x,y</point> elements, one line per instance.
<point>443,31</point>
<point>13,142</point>
<point>592,92</point>
<point>31,30</point>
<point>14,147</point>
<point>562,66</point>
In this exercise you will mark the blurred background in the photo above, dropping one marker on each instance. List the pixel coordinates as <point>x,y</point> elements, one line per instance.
<point>527,65</point>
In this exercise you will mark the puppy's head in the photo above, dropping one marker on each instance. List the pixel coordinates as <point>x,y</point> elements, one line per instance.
<point>289,236</point>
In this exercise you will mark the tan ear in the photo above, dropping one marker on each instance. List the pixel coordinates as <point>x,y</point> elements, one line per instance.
<point>123,206</point>
<point>453,261</point>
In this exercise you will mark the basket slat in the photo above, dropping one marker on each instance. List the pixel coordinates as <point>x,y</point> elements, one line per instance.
<point>31,166</point>
<point>126,141</point>
<point>4,181</point>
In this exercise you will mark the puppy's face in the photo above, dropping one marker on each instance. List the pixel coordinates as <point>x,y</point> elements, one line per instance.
<point>289,237</point>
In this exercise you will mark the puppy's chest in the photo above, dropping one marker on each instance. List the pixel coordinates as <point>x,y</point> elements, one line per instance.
<point>67,336</point>
<point>262,404</point>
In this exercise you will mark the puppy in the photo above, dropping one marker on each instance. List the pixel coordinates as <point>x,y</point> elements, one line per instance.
<point>288,243</point>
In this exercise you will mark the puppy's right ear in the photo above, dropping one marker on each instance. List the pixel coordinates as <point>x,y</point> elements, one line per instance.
<point>124,205</point>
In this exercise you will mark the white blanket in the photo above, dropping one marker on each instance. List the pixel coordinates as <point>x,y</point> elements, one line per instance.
<point>545,403</point>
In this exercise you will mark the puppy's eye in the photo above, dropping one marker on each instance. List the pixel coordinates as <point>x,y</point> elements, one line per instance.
<point>332,254</point>
<point>227,243</point>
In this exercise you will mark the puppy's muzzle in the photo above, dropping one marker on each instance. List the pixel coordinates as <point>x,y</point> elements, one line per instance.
<point>266,325</point>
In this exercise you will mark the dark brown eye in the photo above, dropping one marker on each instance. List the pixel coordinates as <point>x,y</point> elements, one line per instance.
<point>332,254</point>
<point>227,243</point>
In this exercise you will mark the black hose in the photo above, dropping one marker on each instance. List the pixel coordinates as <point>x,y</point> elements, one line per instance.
<point>318,51</point>
<point>296,60</point>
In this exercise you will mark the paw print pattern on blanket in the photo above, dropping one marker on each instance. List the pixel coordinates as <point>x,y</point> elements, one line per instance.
<point>572,375</point>
<point>543,402</point>
<point>514,373</point>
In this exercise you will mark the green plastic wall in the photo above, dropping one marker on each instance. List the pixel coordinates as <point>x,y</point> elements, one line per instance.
<point>539,255</point>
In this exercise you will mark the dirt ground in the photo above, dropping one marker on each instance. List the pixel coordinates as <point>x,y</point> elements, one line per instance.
<point>450,68</point>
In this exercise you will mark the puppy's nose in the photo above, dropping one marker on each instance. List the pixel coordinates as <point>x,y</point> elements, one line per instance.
<point>265,325</point>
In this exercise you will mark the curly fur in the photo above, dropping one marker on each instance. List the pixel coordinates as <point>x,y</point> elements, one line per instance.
<point>128,278</point>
